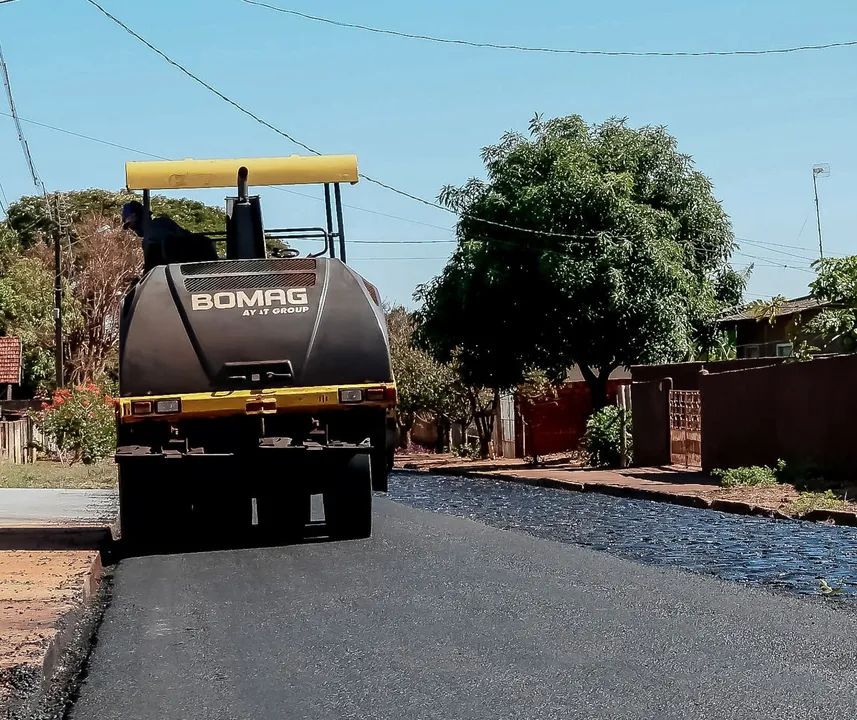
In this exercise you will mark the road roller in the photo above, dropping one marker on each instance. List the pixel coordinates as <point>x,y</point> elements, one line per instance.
<point>256,377</point>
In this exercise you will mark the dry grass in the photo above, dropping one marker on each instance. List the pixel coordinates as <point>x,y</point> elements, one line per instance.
<point>48,474</point>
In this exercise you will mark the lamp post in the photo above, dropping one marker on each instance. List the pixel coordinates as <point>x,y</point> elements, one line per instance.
<point>822,170</point>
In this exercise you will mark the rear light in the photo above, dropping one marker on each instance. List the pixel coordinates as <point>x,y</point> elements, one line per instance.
<point>351,395</point>
<point>381,394</point>
<point>141,408</point>
<point>168,407</point>
<point>375,394</point>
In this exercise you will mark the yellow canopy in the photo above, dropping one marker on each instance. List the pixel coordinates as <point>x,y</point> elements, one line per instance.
<point>194,174</point>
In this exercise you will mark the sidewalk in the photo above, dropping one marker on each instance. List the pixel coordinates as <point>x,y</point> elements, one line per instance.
<point>662,484</point>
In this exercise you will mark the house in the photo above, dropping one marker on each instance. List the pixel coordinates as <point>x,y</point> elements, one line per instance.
<point>756,337</point>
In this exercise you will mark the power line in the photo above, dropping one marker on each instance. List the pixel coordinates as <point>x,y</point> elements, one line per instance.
<point>768,262</point>
<point>764,246</point>
<point>403,242</point>
<point>87,137</point>
<point>199,80</point>
<point>773,262</point>
<point>399,258</point>
<point>555,51</point>
<point>537,232</point>
<point>368,178</point>
<point>757,243</point>
<point>119,146</point>
<point>367,210</point>
<point>8,85</point>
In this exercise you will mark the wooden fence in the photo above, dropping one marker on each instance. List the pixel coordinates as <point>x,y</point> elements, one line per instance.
<point>20,440</point>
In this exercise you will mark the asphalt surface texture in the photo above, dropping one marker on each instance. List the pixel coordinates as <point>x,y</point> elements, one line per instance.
<point>438,616</point>
<point>26,506</point>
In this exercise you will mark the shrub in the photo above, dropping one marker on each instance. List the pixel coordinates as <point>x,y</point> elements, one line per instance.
<point>602,443</point>
<point>806,502</point>
<point>752,476</point>
<point>80,423</point>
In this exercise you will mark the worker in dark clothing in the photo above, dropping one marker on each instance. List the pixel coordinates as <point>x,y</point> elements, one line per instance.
<point>166,240</point>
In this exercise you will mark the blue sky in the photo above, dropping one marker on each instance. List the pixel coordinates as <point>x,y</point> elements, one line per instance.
<point>417,114</point>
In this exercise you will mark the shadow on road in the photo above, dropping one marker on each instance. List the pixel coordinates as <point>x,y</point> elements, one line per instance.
<point>174,541</point>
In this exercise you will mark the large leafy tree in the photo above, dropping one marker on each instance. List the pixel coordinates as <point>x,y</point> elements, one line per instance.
<point>597,246</point>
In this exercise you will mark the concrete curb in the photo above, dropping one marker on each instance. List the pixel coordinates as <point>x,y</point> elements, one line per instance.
<point>69,623</point>
<point>63,656</point>
<point>831,517</point>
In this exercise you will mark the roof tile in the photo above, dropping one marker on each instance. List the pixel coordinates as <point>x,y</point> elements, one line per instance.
<point>10,361</point>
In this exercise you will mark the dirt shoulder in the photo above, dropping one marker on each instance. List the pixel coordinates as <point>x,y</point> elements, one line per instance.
<point>37,591</point>
<point>665,484</point>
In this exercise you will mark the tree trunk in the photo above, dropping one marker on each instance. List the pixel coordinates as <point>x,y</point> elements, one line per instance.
<point>442,442</point>
<point>485,428</point>
<point>598,392</point>
<point>404,423</point>
<point>597,384</point>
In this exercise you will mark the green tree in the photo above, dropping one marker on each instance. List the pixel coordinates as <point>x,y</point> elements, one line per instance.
<point>31,218</point>
<point>424,385</point>
<point>26,311</point>
<point>597,246</point>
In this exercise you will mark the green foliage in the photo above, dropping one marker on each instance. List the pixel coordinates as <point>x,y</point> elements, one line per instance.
<point>81,422</point>
<point>809,501</point>
<point>602,444</point>
<point>752,476</point>
<point>29,217</point>
<point>626,260</point>
<point>26,311</point>
<point>423,384</point>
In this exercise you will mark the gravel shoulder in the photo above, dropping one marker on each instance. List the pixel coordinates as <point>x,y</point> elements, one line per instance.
<point>664,484</point>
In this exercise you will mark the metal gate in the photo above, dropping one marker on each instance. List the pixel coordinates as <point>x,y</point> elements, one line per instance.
<point>685,428</point>
<point>507,426</point>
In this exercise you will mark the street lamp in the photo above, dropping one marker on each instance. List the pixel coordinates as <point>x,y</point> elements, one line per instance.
<point>822,170</point>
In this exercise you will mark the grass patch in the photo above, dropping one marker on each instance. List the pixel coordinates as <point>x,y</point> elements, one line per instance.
<point>809,501</point>
<point>49,474</point>
<point>752,476</point>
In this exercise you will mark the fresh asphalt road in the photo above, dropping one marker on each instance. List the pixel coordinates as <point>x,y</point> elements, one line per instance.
<point>441,617</point>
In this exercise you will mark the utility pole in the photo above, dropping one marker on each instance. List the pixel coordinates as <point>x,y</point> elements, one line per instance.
<point>56,228</point>
<point>822,170</point>
<point>58,351</point>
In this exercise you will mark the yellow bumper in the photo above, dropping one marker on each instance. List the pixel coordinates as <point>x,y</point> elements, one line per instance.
<point>249,402</point>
